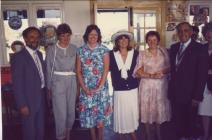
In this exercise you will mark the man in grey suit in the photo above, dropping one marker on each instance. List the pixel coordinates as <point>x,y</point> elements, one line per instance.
<point>28,85</point>
<point>189,65</point>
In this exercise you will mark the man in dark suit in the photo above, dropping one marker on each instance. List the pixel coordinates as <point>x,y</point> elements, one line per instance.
<point>28,85</point>
<point>189,64</point>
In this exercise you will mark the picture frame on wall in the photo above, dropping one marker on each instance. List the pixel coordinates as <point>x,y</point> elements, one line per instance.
<point>171,26</point>
<point>176,11</point>
<point>199,14</point>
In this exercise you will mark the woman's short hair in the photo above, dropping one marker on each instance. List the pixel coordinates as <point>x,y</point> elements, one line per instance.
<point>63,29</point>
<point>206,28</point>
<point>89,29</point>
<point>152,33</point>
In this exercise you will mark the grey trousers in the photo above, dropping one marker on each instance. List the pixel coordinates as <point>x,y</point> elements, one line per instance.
<point>64,90</point>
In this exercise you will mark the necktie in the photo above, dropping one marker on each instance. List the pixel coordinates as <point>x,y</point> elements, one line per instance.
<point>39,67</point>
<point>180,52</point>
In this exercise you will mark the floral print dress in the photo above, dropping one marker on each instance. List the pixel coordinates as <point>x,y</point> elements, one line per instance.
<point>94,110</point>
<point>154,104</point>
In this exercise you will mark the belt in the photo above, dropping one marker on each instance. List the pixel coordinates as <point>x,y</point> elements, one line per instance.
<point>64,73</point>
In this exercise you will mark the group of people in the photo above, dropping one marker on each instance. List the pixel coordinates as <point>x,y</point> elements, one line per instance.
<point>151,87</point>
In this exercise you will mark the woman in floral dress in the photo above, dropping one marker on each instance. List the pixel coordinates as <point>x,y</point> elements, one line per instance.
<point>92,69</point>
<point>152,67</point>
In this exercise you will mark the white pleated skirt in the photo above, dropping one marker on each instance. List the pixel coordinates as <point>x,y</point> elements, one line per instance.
<point>126,113</point>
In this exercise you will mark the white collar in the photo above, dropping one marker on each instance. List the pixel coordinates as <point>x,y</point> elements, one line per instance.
<point>31,51</point>
<point>58,45</point>
<point>186,44</point>
<point>124,67</point>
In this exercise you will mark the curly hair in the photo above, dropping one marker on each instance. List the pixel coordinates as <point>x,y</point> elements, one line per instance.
<point>152,33</point>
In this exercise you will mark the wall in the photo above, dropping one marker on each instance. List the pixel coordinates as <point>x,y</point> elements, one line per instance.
<point>2,44</point>
<point>78,17</point>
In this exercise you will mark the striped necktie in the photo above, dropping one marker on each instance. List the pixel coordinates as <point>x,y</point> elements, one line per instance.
<point>180,52</point>
<point>39,67</point>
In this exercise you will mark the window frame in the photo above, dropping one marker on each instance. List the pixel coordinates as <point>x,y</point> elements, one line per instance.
<point>146,11</point>
<point>38,6</point>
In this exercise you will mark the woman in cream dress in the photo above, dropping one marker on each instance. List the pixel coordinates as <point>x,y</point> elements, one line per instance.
<point>152,67</point>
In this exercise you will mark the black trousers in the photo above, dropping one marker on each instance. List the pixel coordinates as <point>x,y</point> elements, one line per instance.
<point>185,120</point>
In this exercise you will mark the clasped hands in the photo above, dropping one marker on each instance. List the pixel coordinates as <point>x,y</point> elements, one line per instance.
<point>90,92</point>
<point>141,73</point>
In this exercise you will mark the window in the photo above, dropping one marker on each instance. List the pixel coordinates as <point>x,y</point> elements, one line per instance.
<point>48,16</point>
<point>15,21</point>
<point>110,21</point>
<point>17,18</point>
<point>143,21</point>
<point>140,17</point>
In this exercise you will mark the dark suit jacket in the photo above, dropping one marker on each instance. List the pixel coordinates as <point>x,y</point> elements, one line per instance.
<point>188,81</point>
<point>26,81</point>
